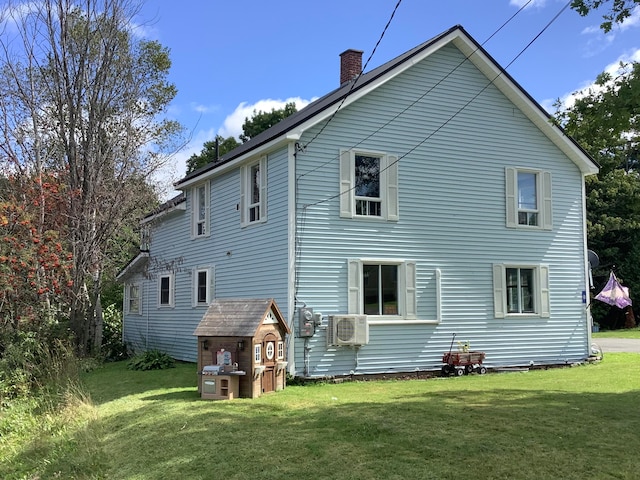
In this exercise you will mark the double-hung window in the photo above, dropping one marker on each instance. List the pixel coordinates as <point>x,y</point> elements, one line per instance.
<point>133,299</point>
<point>521,290</point>
<point>200,211</point>
<point>368,185</point>
<point>528,199</point>
<point>166,289</point>
<point>253,192</point>
<point>382,288</point>
<point>203,282</point>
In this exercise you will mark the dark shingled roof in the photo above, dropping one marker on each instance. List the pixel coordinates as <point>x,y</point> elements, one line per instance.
<point>237,317</point>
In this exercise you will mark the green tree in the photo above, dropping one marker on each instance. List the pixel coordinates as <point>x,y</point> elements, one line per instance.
<point>605,121</point>
<point>619,10</point>
<point>84,97</point>
<point>208,152</point>
<point>261,121</point>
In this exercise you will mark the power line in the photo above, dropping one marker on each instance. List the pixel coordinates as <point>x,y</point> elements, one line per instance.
<point>417,100</point>
<point>458,111</point>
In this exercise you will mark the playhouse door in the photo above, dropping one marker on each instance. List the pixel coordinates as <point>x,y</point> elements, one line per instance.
<point>269,362</point>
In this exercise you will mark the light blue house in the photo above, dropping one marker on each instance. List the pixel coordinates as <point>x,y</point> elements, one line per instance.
<point>428,197</point>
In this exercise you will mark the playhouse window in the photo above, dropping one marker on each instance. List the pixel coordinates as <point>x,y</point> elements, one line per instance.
<point>280,350</point>
<point>257,353</point>
<point>253,192</point>
<point>528,199</point>
<point>368,185</point>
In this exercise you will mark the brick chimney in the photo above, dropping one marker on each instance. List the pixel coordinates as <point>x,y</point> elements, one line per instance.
<point>350,65</point>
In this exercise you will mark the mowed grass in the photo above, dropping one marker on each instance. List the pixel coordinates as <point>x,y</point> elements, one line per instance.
<point>562,423</point>
<point>623,333</point>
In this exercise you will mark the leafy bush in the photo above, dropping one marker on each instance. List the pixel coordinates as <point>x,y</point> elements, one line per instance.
<point>112,347</point>
<point>151,360</point>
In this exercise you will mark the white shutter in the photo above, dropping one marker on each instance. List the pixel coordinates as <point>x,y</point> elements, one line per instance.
<point>194,287</point>
<point>354,276</point>
<point>211,278</point>
<point>141,287</point>
<point>127,296</point>
<point>207,209</point>
<point>172,290</point>
<point>547,212</point>
<point>263,188</point>
<point>545,310</point>
<point>511,189</point>
<point>346,180</point>
<point>243,195</point>
<point>410,290</point>
<point>499,298</point>
<point>392,188</point>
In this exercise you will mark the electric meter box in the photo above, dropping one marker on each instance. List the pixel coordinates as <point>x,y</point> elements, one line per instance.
<point>306,327</point>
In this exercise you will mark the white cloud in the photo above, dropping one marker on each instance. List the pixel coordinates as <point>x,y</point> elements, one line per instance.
<point>532,3</point>
<point>232,125</point>
<point>569,99</point>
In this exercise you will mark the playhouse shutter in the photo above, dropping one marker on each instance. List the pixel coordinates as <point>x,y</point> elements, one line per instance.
<point>511,202</point>
<point>545,310</point>
<point>354,276</point>
<point>243,194</point>
<point>392,188</point>
<point>410,290</point>
<point>499,298</point>
<point>346,192</point>
<point>263,188</point>
<point>547,212</point>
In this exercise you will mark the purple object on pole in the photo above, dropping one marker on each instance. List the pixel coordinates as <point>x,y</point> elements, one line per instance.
<point>614,294</point>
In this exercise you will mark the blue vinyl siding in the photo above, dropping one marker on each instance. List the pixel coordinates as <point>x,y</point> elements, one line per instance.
<point>454,145</point>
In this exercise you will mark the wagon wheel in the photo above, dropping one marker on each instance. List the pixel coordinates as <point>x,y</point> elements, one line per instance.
<point>446,369</point>
<point>482,370</point>
<point>460,371</point>
<point>469,369</point>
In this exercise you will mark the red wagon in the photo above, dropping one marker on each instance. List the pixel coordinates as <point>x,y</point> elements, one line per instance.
<point>460,363</point>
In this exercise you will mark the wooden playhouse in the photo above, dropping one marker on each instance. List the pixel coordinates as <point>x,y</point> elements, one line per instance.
<point>241,349</point>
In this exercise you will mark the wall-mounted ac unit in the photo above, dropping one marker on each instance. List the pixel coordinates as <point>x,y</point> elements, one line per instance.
<point>348,330</point>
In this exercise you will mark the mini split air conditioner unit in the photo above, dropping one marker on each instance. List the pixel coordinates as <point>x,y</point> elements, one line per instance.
<point>348,330</point>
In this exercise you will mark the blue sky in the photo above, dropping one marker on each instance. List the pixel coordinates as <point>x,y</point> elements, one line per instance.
<point>233,56</point>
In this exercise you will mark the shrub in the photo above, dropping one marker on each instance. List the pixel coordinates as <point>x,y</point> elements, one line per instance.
<point>151,360</point>
<point>112,347</point>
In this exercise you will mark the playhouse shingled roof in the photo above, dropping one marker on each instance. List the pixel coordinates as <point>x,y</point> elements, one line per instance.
<point>237,317</point>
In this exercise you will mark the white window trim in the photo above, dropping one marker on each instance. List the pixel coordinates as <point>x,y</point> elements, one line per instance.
<point>407,297</point>
<point>280,350</point>
<point>127,299</point>
<point>257,353</point>
<point>195,203</point>
<point>210,271</point>
<point>388,185</point>
<point>245,192</point>
<point>172,289</point>
<point>544,196</point>
<point>541,292</point>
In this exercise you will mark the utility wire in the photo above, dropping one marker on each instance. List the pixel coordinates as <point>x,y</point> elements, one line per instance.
<point>353,84</point>
<point>458,111</point>
<point>417,100</point>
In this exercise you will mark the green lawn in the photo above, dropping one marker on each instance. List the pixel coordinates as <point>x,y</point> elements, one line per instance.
<point>570,423</point>
<point>624,333</point>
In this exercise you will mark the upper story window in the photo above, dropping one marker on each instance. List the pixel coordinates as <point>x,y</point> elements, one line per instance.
<point>384,288</point>
<point>200,211</point>
<point>368,185</point>
<point>166,289</point>
<point>521,290</point>
<point>253,192</point>
<point>528,199</point>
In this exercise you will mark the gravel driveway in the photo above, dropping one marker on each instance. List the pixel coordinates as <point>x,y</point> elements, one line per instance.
<point>630,345</point>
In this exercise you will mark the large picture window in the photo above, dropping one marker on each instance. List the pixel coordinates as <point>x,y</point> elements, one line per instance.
<point>521,290</point>
<point>528,199</point>
<point>382,288</point>
<point>368,185</point>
